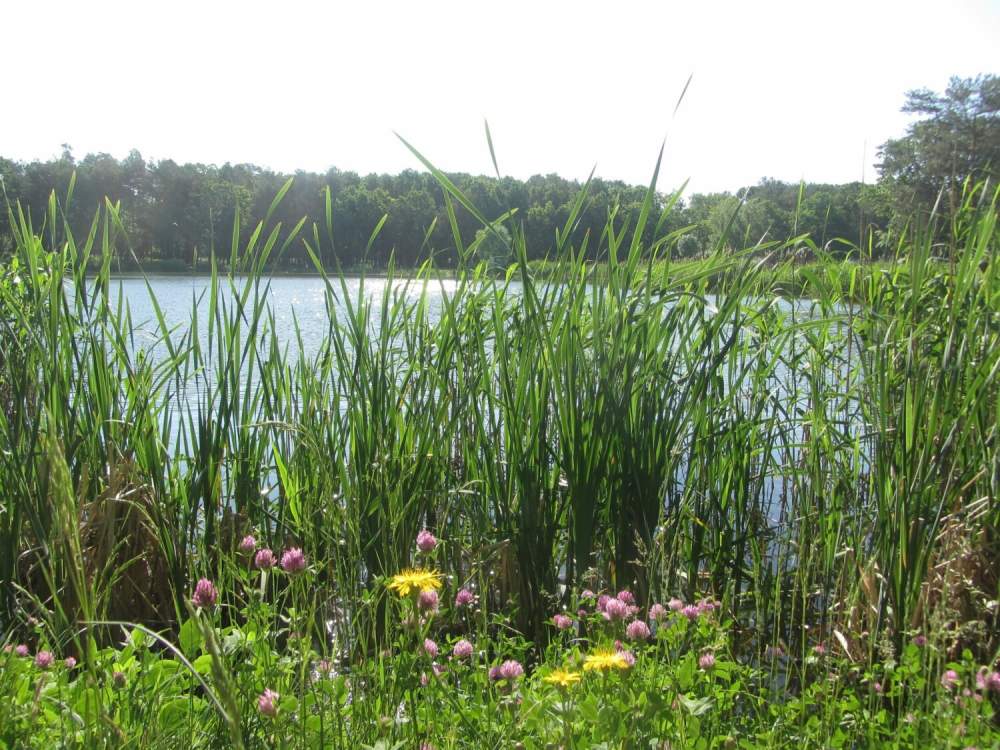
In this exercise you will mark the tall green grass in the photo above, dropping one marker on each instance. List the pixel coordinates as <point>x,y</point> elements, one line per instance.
<point>827,468</point>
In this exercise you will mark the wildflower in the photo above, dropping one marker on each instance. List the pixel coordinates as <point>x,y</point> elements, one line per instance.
<point>430,648</point>
<point>464,598</point>
<point>494,674</point>
<point>819,649</point>
<point>415,580</point>
<point>920,640</point>
<point>675,604</point>
<point>248,544</point>
<point>691,612</point>
<point>562,678</point>
<point>424,679</point>
<point>615,609</point>
<point>21,650</point>
<point>626,596</point>
<point>707,661</point>
<point>586,594</point>
<point>264,559</point>
<point>293,561</point>
<point>426,541</point>
<point>581,613</point>
<point>511,670</point>
<point>637,630</point>
<point>325,668</point>
<point>119,680</point>
<point>462,650</point>
<point>705,606</point>
<point>993,682</point>
<point>602,602</point>
<point>438,669</point>
<point>70,662</point>
<point>878,688</point>
<point>44,659</point>
<point>628,656</point>
<point>562,622</point>
<point>949,679</point>
<point>267,703</point>
<point>205,594</point>
<point>428,600</point>
<point>657,612</point>
<point>604,660</point>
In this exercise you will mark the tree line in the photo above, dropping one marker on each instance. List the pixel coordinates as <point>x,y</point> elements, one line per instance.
<point>175,214</point>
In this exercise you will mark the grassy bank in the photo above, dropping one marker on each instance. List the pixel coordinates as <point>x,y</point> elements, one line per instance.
<point>814,483</point>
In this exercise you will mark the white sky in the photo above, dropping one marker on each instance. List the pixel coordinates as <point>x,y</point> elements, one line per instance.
<point>792,90</point>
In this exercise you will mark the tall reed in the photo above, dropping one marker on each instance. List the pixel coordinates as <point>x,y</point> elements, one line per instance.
<point>821,466</point>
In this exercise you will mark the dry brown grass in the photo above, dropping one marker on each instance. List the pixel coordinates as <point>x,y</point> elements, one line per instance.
<point>122,552</point>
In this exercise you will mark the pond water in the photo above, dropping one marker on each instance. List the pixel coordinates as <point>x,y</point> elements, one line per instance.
<point>296,301</point>
<point>300,299</point>
<point>293,299</point>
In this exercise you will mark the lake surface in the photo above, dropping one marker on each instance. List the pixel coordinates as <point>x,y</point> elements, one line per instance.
<point>293,299</point>
<point>296,301</point>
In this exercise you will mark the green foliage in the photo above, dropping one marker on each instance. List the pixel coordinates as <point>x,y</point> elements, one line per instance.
<point>494,248</point>
<point>956,140</point>
<point>663,691</point>
<point>175,214</point>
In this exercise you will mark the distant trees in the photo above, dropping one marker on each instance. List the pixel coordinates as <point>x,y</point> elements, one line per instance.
<point>957,138</point>
<point>177,213</point>
<point>494,247</point>
<point>833,216</point>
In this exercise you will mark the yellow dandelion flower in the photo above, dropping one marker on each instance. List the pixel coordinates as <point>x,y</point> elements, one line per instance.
<point>604,660</point>
<point>416,580</point>
<point>562,677</point>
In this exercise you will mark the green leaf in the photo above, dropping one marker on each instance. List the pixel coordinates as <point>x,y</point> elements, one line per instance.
<point>174,712</point>
<point>489,141</point>
<point>589,709</point>
<point>162,669</point>
<point>203,664</point>
<point>190,638</point>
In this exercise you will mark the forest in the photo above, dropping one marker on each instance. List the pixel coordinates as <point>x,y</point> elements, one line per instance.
<point>176,213</point>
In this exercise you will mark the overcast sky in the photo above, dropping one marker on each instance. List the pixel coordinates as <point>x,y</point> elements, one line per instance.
<point>792,90</point>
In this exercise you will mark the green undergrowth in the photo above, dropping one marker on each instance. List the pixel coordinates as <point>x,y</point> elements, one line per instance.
<point>243,676</point>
